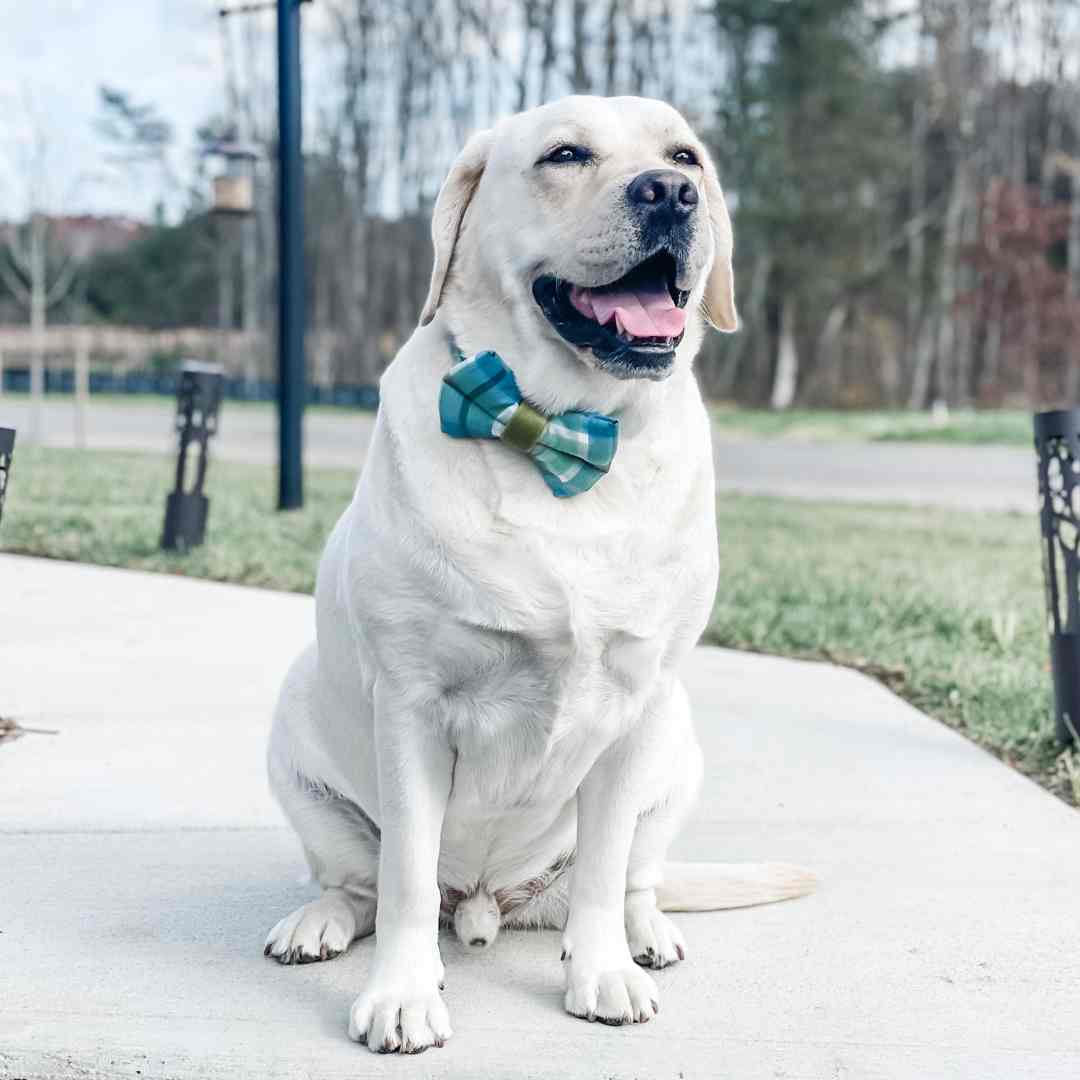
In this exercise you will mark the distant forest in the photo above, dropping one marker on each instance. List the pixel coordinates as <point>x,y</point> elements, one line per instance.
<point>904,179</point>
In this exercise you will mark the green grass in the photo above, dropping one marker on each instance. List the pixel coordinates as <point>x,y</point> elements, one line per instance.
<point>1002,427</point>
<point>108,508</point>
<point>945,608</point>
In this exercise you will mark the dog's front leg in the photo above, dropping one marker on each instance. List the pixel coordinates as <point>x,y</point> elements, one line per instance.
<point>602,980</point>
<point>401,1008</point>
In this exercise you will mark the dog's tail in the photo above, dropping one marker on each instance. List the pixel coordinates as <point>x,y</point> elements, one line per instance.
<point>712,886</point>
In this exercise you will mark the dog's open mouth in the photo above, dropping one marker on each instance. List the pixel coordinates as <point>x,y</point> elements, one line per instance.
<point>632,325</point>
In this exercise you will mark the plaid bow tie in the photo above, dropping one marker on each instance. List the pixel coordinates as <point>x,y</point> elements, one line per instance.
<point>480,399</point>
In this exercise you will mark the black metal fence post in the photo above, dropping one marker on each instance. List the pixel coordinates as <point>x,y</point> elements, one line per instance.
<point>1057,442</point>
<point>7,451</point>
<point>198,398</point>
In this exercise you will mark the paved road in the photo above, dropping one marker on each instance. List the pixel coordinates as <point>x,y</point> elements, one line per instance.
<point>142,861</point>
<point>967,477</point>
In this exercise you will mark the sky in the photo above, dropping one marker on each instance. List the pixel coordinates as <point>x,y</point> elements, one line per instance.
<point>54,54</point>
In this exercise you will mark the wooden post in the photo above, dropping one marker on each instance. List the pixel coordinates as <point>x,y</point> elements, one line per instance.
<point>37,323</point>
<point>82,388</point>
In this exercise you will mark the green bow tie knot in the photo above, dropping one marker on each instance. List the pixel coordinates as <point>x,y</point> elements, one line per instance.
<point>525,427</point>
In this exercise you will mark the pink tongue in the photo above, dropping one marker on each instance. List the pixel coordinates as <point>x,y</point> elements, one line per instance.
<point>642,312</point>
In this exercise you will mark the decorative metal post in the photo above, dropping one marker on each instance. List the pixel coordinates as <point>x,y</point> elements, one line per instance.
<point>1057,442</point>
<point>291,385</point>
<point>198,397</point>
<point>291,379</point>
<point>7,450</point>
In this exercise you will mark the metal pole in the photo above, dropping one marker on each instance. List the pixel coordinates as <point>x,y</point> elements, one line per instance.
<point>291,386</point>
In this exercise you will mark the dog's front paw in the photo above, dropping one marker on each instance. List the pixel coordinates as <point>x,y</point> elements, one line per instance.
<point>654,940</point>
<point>625,995</point>
<point>602,981</point>
<point>400,1011</point>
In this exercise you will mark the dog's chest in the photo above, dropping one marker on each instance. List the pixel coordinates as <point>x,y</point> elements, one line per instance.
<point>558,651</point>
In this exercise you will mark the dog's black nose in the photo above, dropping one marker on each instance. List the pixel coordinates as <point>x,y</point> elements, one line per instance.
<point>663,191</point>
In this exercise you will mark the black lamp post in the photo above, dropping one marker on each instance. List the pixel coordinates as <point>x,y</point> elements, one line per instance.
<point>1057,442</point>
<point>291,382</point>
<point>290,261</point>
<point>7,449</point>
<point>198,397</point>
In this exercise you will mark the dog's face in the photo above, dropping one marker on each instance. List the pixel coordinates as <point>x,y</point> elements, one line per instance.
<point>602,219</point>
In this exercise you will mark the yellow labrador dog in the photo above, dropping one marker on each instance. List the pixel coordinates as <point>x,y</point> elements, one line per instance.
<point>491,730</point>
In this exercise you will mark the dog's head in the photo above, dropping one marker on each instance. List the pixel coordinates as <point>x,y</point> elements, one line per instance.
<point>600,219</point>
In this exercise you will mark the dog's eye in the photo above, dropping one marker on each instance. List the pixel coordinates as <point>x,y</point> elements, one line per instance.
<point>568,155</point>
<point>685,157</point>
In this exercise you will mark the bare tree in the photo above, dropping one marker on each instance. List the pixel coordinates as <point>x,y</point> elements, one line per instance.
<point>35,267</point>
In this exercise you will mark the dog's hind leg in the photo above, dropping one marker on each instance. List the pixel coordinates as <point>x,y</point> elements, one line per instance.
<point>340,843</point>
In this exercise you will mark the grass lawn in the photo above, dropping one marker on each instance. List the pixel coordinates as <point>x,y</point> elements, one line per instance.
<point>998,427</point>
<point>946,609</point>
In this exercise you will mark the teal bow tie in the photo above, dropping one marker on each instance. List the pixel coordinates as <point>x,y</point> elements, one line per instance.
<point>480,399</point>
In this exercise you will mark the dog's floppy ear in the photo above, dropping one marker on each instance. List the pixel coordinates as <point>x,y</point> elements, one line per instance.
<point>718,303</point>
<point>454,197</point>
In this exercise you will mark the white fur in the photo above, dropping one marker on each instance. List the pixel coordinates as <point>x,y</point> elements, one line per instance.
<point>495,683</point>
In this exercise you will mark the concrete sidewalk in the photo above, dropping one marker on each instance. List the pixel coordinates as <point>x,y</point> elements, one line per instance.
<point>141,863</point>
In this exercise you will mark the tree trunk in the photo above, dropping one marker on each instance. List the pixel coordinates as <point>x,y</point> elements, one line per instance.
<point>965,331</point>
<point>226,280</point>
<point>547,58</point>
<point>924,363</point>
<point>995,332</point>
<point>38,301</point>
<point>951,337</point>
<point>917,241</point>
<point>580,76</point>
<point>249,319</point>
<point>611,47</point>
<point>82,387</point>
<point>787,359</point>
<point>752,317</point>
<point>1072,377</point>
<point>824,361</point>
